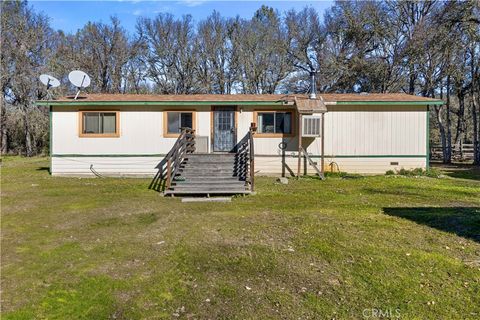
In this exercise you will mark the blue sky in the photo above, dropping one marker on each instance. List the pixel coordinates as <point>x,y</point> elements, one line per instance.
<point>72,15</point>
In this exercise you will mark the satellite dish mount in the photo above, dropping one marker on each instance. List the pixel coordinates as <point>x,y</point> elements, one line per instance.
<point>50,82</point>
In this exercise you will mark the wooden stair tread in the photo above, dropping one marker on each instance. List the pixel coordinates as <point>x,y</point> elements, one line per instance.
<point>208,174</point>
<point>209,182</point>
<point>167,192</point>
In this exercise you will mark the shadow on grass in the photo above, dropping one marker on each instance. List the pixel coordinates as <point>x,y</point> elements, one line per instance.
<point>460,170</point>
<point>465,173</point>
<point>463,221</point>
<point>392,192</point>
<point>43,169</point>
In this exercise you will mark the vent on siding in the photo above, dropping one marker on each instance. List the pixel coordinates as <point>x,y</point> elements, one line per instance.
<point>311,126</point>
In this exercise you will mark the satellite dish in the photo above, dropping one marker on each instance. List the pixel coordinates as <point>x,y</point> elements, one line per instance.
<point>79,79</point>
<point>49,81</point>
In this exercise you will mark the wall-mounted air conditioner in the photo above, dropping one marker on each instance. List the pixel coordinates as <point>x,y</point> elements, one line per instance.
<point>312,126</point>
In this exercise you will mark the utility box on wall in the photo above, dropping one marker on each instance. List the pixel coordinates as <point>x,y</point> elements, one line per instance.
<point>201,144</point>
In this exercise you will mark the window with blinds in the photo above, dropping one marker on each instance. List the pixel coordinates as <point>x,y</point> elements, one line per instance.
<point>99,123</point>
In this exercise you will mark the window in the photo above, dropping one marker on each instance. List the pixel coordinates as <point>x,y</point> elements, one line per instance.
<point>99,123</point>
<point>274,122</point>
<point>176,120</point>
<point>312,126</point>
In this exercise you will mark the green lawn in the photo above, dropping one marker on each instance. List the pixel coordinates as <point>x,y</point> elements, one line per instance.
<point>112,249</point>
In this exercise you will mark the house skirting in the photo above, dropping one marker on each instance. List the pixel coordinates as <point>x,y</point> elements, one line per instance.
<point>145,165</point>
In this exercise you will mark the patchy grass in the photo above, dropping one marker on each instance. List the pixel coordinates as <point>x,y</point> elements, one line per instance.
<point>460,170</point>
<point>110,248</point>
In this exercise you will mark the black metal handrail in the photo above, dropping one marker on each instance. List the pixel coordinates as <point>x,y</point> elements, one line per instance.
<point>169,166</point>
<point>245,159</point>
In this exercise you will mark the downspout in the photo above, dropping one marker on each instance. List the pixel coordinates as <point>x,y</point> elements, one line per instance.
<point>299,141</point>
<point>50,147</point>
<point>427,165</point>
<point>323,144</point>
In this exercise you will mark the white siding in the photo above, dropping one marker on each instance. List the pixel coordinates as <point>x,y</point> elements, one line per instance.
<point>140,133</point>
<point>375,130</point>
<point>273,165</point>
<point>267,165</point>
<point>353,134</point>
<point>245,118</point>
<point>106,166</point>
<point>373,165</point>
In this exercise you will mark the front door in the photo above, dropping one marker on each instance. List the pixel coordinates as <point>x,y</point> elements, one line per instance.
<point>223,129</point>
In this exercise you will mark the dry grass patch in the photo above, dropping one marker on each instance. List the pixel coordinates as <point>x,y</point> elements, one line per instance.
<point>110,248</point>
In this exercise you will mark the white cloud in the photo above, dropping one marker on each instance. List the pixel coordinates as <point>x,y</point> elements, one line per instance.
<point>137,12</point>
<point>163,9</point>
<point>192,3</point>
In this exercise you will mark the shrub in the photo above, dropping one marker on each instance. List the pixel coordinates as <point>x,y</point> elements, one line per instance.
<point>417,172</point>
<point>338,174</point>
<point>433,173</point>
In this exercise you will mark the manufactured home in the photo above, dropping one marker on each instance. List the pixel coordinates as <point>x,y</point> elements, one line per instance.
<point>129,135</point>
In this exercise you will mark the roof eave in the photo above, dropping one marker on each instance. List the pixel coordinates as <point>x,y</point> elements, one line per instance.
<point>208,103</point>
<point>155,103</point>
<point>403,103</point>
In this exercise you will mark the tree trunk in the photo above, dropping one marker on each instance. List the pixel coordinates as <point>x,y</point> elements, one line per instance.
<point>441,127</point>
<point>461,116</point>
<point>447,155</point>
<point>3,131</point>
<point>28,140</point>
<point>476,143</point>
<point>411,82</point>
<point>477,151</point>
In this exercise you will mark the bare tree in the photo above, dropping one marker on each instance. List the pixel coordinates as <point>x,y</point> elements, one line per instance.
<point>217,66</point>
<point>25,50</point>
<point>171,58</point>
<point>305,39</point>
<point>261,45</point>
<point>103,51</point>
<point>428,48</point>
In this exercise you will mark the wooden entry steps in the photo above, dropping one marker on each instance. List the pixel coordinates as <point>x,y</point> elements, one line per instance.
<point>208,174</point>
<point>185,172</point>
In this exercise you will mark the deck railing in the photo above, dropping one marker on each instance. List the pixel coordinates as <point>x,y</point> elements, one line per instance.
<point>312,163</point>
<point>245,159</point>
<point>169,166</point>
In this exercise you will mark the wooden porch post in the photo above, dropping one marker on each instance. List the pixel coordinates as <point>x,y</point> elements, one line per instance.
<point>299,144</point>
<point>323,143</point>
<point>169,173</point>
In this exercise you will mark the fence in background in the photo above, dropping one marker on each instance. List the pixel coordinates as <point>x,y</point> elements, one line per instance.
<point>460,152</point>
